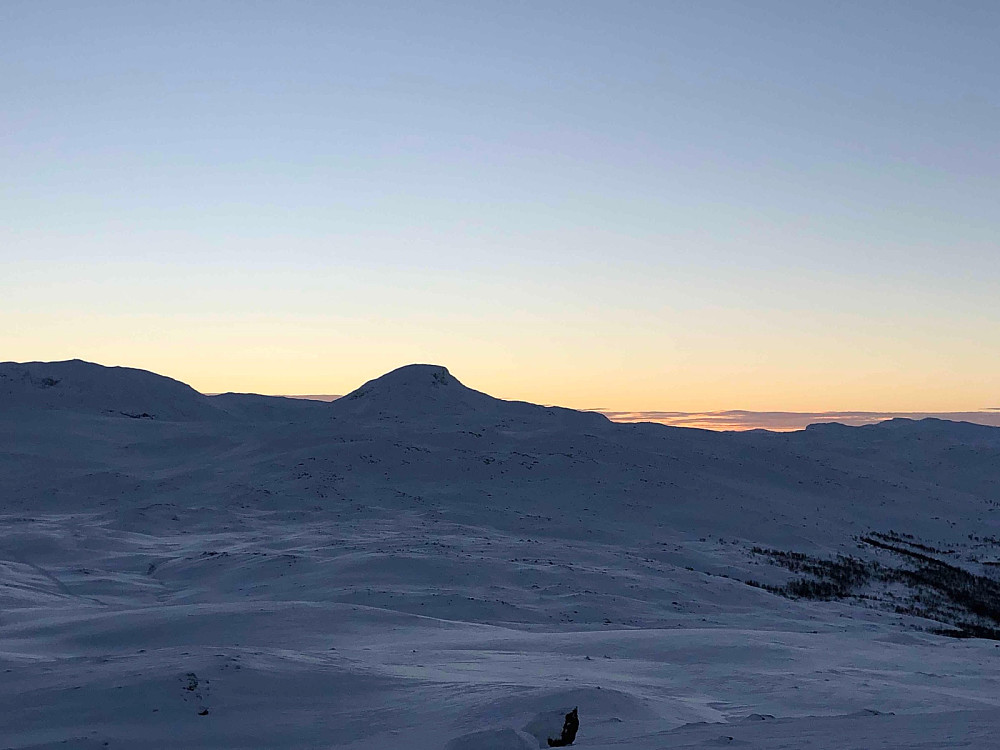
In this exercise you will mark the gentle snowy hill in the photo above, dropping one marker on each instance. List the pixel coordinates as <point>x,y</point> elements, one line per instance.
<point>115,391</point>
<point>420,564</point>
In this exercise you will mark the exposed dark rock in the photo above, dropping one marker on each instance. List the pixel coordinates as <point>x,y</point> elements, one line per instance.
<point>570,727</point>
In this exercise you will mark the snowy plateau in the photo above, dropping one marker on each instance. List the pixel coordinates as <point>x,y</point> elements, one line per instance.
<point>420,565</point>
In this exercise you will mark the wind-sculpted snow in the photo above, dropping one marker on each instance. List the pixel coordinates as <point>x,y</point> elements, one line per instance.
<point>421,565</point>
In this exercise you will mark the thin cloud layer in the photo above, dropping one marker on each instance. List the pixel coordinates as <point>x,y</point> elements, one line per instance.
<point>737,419</point>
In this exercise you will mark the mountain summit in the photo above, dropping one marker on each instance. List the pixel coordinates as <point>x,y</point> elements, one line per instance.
<point>415,389</point>
<point>424,392</point>
<point>413,379</point>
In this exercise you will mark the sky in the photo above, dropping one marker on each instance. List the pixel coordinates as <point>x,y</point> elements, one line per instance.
<point>634,206</point>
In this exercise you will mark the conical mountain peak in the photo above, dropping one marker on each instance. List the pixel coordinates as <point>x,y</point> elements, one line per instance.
<point>426,392</point>
<point>414,388</point>
<point>411,377</point>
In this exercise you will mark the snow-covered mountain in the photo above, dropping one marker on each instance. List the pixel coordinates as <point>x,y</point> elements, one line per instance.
<point>419,563</point>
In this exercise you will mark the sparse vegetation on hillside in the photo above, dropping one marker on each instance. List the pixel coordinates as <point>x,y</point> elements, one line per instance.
<point>968,603</point>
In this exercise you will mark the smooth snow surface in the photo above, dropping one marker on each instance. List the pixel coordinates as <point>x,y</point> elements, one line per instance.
<point>419,565</point>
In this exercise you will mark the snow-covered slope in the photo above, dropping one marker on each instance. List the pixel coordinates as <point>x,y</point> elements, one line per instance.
<point>422,565</point>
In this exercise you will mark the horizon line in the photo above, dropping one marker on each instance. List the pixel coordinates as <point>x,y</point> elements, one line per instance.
<point>742,420</point>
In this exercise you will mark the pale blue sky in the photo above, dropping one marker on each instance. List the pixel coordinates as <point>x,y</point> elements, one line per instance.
<point>656,205</point>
